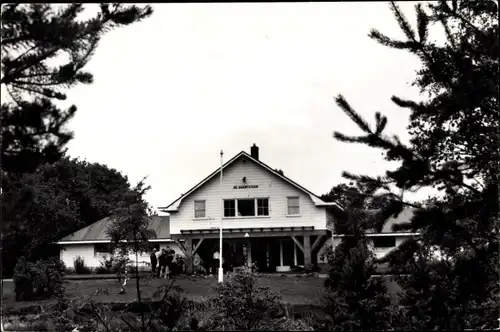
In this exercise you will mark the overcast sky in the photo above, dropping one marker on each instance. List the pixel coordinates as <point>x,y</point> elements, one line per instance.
<point>173,91</point>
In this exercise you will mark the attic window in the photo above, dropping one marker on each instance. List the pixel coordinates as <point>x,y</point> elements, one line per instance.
<point>199,209</point>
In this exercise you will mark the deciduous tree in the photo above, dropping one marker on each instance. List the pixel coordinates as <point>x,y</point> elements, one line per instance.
<point>54,201</point>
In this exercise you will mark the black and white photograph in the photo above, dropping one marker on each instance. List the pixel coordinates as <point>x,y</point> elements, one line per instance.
<point>252,166</point>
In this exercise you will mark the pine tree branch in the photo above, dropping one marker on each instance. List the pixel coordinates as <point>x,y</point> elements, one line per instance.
<point>342,103</point>
<point>14,40</point>
<point>422,23</point>
<point>44,56</point>
<point>46,93</point>
<point>402,21</point>
<point>24,53</point>
<point>14,98</point>
<point>454,13</point>
<point>431,64</point>
<point>20,83</point>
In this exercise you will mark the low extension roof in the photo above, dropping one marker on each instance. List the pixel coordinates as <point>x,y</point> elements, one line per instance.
<point>403,217</point>
<point>96,232</point>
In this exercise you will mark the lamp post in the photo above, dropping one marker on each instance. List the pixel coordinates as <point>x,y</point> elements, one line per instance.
<point>221,271</point>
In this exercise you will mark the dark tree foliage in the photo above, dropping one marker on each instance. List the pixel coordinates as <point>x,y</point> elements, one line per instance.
<point>33,134</point>
<point>454,148</point>
<point>344,194</point>
<point>356,300</point>
<point>34,37</point>
<point>363,199</point>
<point>43,53</point>
<point>53,202</point>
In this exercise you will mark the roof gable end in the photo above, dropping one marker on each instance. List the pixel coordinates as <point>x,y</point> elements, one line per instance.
<point>174,206</point>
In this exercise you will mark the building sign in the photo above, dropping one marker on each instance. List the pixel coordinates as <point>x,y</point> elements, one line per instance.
<point>246,186</point>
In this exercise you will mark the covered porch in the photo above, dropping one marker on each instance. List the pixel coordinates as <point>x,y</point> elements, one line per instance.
<point>272,249</point>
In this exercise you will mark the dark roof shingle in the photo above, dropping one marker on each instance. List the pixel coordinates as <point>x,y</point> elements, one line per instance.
<point>97,230</point>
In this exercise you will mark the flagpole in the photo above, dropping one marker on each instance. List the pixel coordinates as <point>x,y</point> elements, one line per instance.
<point>221,271</point>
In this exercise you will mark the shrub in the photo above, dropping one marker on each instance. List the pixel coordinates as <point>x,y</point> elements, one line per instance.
<point>107,263</point>
<point>198,316</point>
<point>49,277</point>
<point>171,308</point>
<point>100,270</point>
<point>289,324</point>
<point>42,279</point>
<point>80,267</point>
<point>23,280</point>
<point>244,306</point>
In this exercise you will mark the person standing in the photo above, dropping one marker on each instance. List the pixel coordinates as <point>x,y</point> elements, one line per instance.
<point>169,258</point>
<point>216,262</point>
<point>154,261</point>
<point>162,260</point>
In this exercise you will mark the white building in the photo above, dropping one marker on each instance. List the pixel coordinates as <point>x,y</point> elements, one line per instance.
<point>267,218</point>
<point>92,244</point>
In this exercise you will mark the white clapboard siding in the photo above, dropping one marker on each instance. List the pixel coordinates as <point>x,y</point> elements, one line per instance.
<point>70,252</point>
<point>269,186</point>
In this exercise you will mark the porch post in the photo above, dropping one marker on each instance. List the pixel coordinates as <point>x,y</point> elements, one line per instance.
<point>307,250</point>
<point>267,255</point>
<point>281,252</point>
<point>249,253</point>
<point>294,254</point>
<point>189,255</point>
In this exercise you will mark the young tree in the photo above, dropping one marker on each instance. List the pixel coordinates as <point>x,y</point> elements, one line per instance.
<point>454,148</point>
<point>130,231</point>
<point>356,299</point>
<point>33,36</point>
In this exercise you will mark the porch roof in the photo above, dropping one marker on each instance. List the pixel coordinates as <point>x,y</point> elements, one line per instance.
<point>252,232</point>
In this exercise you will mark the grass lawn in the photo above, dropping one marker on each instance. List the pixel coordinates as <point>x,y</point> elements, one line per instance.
<point>294,290</point>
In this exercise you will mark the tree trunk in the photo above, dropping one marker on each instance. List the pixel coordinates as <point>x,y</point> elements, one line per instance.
<point>138,287</point>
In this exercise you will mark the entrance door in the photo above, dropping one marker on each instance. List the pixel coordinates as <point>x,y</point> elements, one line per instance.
<point>259,253</point>
<point>238,253</point>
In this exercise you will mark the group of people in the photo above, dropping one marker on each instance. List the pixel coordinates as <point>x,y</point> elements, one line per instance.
<point>161,262</point>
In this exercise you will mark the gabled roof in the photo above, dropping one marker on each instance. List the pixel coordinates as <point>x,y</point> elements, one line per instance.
<point>96,232</point>
<point>174,206</point>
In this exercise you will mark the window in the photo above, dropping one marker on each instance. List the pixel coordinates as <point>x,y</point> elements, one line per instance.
<point>102,249</point>
<point>246,207</point>
<point>229,208</point>
<point>384,241</point>
<point>199,209</point>
<point>262,206</point>
<point>293,205</point>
